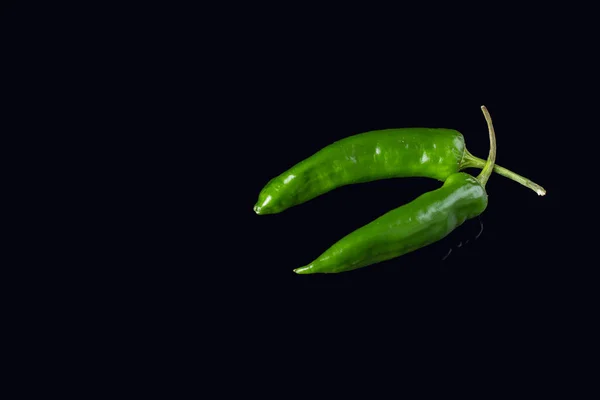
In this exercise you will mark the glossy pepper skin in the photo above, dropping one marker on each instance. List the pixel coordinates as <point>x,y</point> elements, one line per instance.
<point>427,219</point>
<point>390,153</point>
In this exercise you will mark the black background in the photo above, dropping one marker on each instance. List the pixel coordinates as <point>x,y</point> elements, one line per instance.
<point>167,123</point>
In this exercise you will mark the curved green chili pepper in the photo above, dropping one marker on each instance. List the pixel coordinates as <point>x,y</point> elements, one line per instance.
<point>389,153</point>
<point>425,220</point>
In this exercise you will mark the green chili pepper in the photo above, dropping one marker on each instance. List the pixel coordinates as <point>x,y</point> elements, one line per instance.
<point>425,220</point>
<point>389,153</point>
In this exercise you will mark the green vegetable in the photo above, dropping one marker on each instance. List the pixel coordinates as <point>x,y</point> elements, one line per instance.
<point>425,220</point>
<point>390,153</point>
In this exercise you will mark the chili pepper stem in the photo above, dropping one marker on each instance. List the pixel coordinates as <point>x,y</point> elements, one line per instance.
<point>488,168</point>
<point>471,161</point>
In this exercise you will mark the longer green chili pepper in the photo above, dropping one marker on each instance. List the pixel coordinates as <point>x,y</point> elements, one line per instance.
<point>425,220</point>
<point>389,153</point>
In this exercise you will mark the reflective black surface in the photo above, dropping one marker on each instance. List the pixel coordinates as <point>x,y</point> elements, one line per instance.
<point>147,132</point>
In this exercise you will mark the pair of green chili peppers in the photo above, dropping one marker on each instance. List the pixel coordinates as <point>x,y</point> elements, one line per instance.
<point>391,153</point>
